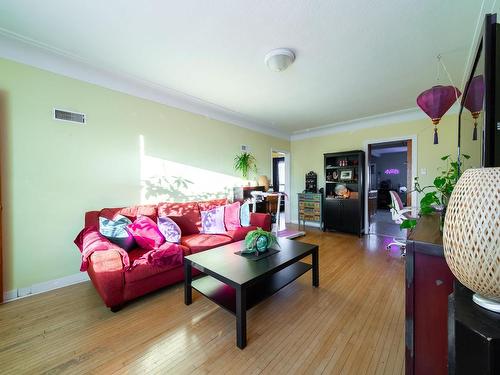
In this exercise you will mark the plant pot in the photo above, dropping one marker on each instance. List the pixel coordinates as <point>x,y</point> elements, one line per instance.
<point>441,219</point>
<point>262,244</point>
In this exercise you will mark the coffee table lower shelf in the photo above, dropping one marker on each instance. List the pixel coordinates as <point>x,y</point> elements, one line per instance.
<point>225,296</point>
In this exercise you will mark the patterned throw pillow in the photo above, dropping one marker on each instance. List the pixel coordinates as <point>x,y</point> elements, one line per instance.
<point>146,233</point>
<point>245,214</point>
<point>116,231</point>
<point>169,229</point>
<point>212,221</point>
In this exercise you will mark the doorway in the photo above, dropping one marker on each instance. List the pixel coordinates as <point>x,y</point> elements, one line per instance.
<point>390,175</point>
<point>280,182</point>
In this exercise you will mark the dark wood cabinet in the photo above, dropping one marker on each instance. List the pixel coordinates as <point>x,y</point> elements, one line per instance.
<point>429,282</point>
<point>473,335</point>
<point>344,208</point>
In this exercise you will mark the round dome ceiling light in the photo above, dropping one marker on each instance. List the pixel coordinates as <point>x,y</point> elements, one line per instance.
<point>279,59</point>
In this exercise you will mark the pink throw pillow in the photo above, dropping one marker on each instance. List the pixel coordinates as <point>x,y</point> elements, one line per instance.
<point>212,221</point>
<point>146,233</point>
<point>232,216</point>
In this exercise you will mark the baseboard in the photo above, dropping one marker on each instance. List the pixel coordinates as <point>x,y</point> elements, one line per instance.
<point>45,286</point>
<point>308,223</point>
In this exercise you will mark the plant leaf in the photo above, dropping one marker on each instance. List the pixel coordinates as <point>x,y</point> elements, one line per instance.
<point>408,224</point>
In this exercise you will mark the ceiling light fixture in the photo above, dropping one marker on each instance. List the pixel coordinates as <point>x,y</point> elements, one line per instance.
<point>279,59</point>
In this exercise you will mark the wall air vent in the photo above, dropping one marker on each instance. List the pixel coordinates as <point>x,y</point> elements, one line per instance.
<point>63,115</point>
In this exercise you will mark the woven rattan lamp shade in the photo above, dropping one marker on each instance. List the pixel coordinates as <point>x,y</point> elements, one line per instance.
<point>471,234</point>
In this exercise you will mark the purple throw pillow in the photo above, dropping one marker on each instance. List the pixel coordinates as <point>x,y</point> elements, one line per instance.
<point>169,229</point>
<point>212,221</point>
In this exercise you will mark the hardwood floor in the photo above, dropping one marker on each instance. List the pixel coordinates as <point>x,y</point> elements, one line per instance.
<point>352,324</point>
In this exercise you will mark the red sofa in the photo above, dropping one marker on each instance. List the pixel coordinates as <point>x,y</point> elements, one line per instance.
<point>117,285</point>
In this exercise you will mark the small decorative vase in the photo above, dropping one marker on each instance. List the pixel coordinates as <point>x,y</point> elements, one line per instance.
<point>261,244</point>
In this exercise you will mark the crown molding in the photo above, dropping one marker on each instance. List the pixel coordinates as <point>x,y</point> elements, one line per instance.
<point>405,115</point>
<point>31,52</point>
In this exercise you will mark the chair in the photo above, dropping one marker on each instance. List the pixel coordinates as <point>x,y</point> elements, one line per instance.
<point>273,202</point>
<point>399,214</point>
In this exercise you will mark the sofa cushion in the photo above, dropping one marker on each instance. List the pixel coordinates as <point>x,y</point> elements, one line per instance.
<point>240,233</point>
<point>245,214</point>
<point>131,212</point>
<point>208,205</point>
<point>201,242</point>
<point>169,229</point>
<point>144,270</point>
<point>212,221</point>
<point>186,215</point>
<point>146,233</point>
<point>232,216</point>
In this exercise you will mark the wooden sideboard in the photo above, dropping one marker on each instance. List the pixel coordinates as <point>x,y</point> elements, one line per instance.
<point>310,208</point>
<point>429,281</point>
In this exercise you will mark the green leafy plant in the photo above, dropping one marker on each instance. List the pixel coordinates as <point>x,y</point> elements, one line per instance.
<point>441,190</point>
<point>253,236</point>
<point>245,163</point>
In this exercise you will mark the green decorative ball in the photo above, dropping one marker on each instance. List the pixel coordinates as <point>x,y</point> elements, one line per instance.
<point>261,244</point>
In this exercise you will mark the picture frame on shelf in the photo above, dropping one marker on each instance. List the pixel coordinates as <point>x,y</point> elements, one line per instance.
<point>346,175</point>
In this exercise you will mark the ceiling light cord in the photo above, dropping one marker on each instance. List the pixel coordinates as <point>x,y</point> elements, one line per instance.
<point>440,60</point>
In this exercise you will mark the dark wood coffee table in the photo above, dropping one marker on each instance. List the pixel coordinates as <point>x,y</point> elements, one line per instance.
<point>237,284</point>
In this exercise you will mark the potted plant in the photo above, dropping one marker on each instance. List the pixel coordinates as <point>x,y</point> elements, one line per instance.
<point>245,163</point>
<point>440,191</point>
<point>258,241</point>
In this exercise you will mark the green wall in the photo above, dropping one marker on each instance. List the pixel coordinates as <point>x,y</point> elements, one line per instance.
<point>307,154</point>
<point>130,151</point>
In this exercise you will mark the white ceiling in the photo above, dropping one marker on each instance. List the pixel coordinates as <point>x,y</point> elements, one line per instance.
<point>354,58</point>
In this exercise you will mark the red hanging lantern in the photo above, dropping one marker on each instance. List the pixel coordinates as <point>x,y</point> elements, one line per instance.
<point>474,100</point>
<point>436,101</point>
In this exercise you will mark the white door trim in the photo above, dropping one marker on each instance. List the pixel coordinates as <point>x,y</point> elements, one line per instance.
<point>288,173</point>
<point>414,168</point>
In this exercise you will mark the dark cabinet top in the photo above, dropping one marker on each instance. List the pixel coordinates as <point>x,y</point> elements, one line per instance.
<point>426,235</point>
<point>482,321</point>
<point>427,230</point>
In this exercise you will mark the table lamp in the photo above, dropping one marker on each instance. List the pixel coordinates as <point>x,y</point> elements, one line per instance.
<point>471,235</point>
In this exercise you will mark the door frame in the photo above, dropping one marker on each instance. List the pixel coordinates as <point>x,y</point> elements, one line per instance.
<point>287,180</point>
<point>414,169</point>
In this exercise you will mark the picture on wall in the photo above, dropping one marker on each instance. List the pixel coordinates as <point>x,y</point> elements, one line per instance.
<point>346,174</point>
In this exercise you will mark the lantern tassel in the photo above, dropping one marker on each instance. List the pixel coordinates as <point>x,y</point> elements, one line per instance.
<point>474,133</point>
<point>436,139</point>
